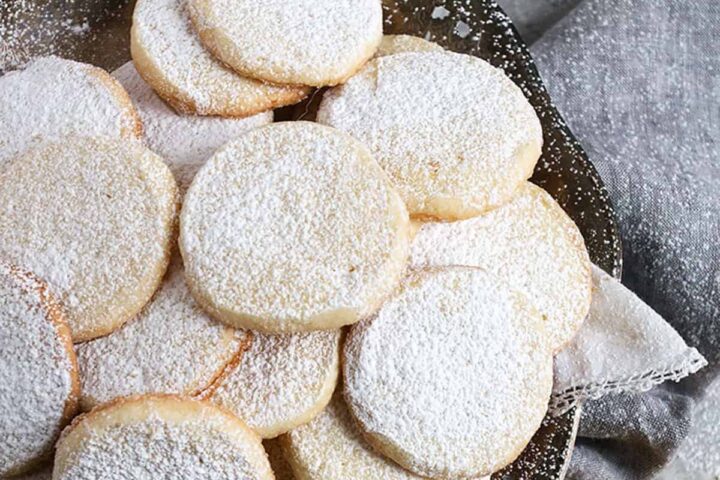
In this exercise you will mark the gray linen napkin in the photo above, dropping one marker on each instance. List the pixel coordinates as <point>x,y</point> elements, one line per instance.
<point>639,83</point>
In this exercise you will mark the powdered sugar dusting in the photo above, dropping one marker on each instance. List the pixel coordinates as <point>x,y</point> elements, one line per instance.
<point>185,142</point>
<point>198,442</point>
<point>303,42</point>
<point>293,221</point>
<point>392,44</point>
<point>448,129</point>
<point>171,347</point>
<point>36,371</point>
<point>454,372</point>
<point>94,218</point>
<point>281,380</point>
<point>189,73</point>
<point>52,98</point>
<point>531,245</point>
<point>317,447</point>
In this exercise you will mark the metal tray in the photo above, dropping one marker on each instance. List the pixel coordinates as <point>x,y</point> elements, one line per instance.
<point>96,31</point>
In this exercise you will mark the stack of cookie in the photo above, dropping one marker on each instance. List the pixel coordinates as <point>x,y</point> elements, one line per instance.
<point>378,294</point>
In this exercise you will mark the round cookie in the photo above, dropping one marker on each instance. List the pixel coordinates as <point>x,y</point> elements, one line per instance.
<point>453,375</point>
<point>52,98</point>
<point>38,371</point>
<point>170,57</point>
<point>185,142</point>
<point>392,44</point>
<point>331,447</point>
<point>531,245</point>
<point>456,136</point>
<point>282,381</point>
<point>280,467</point>
<point>160,436</point>
<point>94,218</point>
<point>303,42</point>
<point>172,346</point>
<point>292,227</point>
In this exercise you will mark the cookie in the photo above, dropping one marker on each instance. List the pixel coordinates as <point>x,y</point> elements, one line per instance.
<point>185,142</point>
<point>160,436</point>
<point>94,218</point>
<point>531,245</point>
<point>303,42</point>
<point>452,377</point>
<point>282,381</point>
<point>170,57</point>
<point>52,98</point>
<point>280,467</point>
<point>456,136</point>
<point>292,227</point>
<point>331,447</point>
<point>38,371</point>
<point>172,346</point>
<point>392,44</point>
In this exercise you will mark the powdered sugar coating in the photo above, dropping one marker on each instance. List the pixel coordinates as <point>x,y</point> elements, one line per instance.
<point>282,381</point>
<point>94,218</point>
<point>393,44</point>
<point>292,227</point>
<point>531,245</point>
<point>52,98</point>
<point>170,57</point>
<point>38,371</point>
<point>453,375</point>
<point>331,447</point>
<point>172,346</point>
<point>303,42</point>
<point>160,437</point>
<point>185,142</point>
<point>455,135</point>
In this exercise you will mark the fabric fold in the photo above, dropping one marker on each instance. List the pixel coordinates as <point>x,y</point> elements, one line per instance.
<point>623,346</point>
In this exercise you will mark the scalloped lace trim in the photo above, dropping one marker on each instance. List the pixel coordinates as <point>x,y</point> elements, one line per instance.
<point>687,363</point>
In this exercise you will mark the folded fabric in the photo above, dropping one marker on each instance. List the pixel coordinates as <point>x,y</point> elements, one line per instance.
<point>623,346</point>
<point>638,82</point>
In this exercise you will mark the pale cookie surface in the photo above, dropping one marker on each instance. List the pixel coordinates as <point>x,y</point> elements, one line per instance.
<point>38,371</point>
<point>94,218</point>
<point>531,245</point>
<point>185,142</point>
<point>292,227</point>
<point>282,381</point>
<point>452,377</point>
<point>160,437</point>
<point>303,42</point>
<point>52,98</point>
<point>170,57</point>
<point>456,136</point>
<point>331,447</point>
<point>172,346</point>
<point>392,44</point>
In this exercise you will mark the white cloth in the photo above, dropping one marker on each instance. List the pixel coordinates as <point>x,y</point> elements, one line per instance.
<point>623,346</point>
